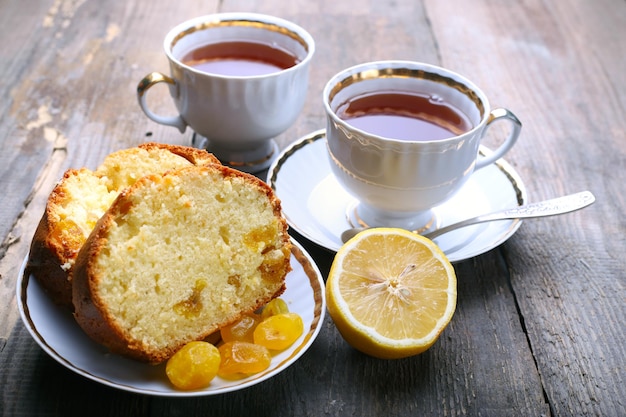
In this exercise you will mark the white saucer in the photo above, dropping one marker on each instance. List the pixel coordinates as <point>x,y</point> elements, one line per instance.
<point>316,206</point>
<point>58,334</point>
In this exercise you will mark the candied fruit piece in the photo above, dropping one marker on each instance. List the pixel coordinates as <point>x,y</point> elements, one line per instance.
<point>69,234</point>
<point>243,358</point>
<point>192,306</point>
<point>273,268</point>
<point>279,332</point>
<point>261,237</point>
<point>275,306</point>
<point>241,330</point>
<point>194,366</point>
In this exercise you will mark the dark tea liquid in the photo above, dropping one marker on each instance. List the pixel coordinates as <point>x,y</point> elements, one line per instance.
<point>405,116</point>
<point>239,58</point>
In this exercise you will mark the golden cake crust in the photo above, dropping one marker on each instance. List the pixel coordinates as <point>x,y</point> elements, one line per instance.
<point>215,248</point>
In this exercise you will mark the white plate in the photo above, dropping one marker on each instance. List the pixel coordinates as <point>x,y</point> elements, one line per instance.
<point>55,330</point>
<point>316,205</point>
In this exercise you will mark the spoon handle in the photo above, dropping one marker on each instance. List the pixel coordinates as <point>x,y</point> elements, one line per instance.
<point>551,207</point>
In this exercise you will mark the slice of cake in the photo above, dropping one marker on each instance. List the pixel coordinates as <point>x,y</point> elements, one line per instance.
<point>178,256</point>
<point>82,196</point>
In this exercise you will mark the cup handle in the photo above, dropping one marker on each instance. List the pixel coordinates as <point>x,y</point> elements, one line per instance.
<point>495,115</point>
<point>142,88</point>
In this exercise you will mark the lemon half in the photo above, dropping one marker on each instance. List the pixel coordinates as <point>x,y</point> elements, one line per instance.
<point>391,292</point>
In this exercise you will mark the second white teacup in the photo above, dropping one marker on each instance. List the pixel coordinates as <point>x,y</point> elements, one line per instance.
<point>403,137</point>
<point>238,80</point>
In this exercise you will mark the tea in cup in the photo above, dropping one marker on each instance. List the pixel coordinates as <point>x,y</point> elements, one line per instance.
<point>238,80</point>
<point>403,137</point>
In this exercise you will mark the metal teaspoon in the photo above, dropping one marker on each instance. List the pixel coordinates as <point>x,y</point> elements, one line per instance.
<point>560,205</point>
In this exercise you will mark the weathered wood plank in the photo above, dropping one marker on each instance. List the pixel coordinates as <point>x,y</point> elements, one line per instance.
<point>565,80</point>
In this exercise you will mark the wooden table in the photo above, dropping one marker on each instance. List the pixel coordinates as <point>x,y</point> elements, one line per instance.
<point>539,326</point>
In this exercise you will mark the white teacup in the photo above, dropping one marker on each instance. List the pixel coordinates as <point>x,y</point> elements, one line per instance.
<point>399,177</point>
<point>238,113</point>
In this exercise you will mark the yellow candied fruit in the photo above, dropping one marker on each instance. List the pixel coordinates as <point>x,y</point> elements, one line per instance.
<point>241,330</point>
<point>280,331</point>
<point>192,306</point>
<point>274,265</point>
<point>69,234</point>
<point>276,306</point>
<point>194,366</point>
<point>243,358</point>
<point>261,237</point>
